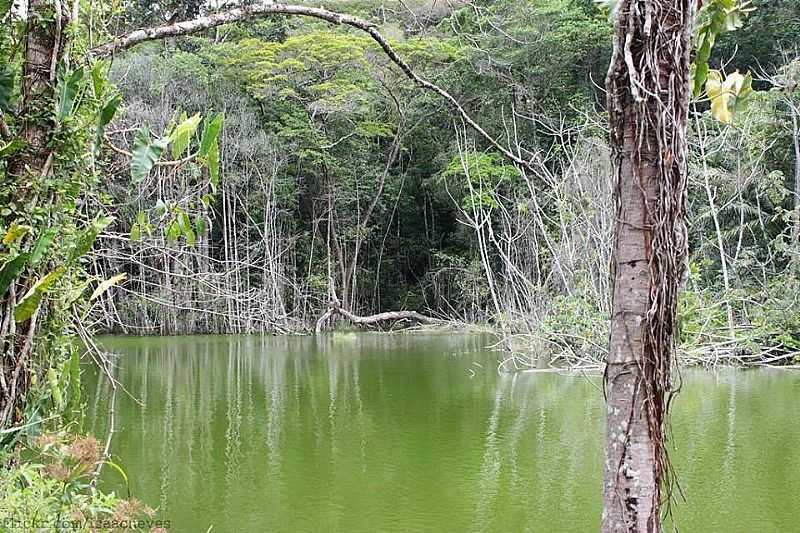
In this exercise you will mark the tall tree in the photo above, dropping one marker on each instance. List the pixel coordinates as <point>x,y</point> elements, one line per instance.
<point>648,87</point>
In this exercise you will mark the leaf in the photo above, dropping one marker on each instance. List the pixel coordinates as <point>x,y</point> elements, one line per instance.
<point>10,271</point>
<point>107,113</point>
<point>75,378</point>
<point>5,5</point>
<point>68,92</point>
<point>11,147</point>
<point>107,284</point>
<point>86,238</point>
<point>213,165</point>
<point>186,228</point>
<point>173,231</point>
<point>98,78</point>
<point>136,232</point>
<point>145,154</point>
<point>200,224</point>
<point>6,87</point>
<point>55,389</point>
<point>211,129</point>
<point>119,469</point>
<point>76,292</point>
<point>30,301</point>
<point>15,232</point>
<point>182,134</point>
<point>728,95</point>
<point>42,245</point>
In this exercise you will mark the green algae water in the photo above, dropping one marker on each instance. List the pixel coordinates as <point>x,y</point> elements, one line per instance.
<point>419,433</point>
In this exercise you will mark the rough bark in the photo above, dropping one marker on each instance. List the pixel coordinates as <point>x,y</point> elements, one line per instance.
<point>648,97</point>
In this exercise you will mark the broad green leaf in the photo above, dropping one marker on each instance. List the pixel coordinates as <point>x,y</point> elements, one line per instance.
<point>6,87</point>
<point>186,228</point>
<point>11,147</point>
<point>200,224</point>
<point>729,94</point>
<point>86,238</point>
<point>145,154</point>
<point>99,78</point>
<point>68,91</point>
<point>211,128</point>
<point>15,232</point>
<point>30,301</point>
<point>182,134</point>
<point>136,232</point>
<point>107,113</point>
<point>173,231</point>
<point>42,245</point>
<point>213,165</point>
<point>55,388</point>
<point>11,270</point>
<point>107,284</point>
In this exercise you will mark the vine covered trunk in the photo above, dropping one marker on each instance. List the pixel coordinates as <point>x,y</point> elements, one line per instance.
<point>648,100</point>
<point>44,44</point>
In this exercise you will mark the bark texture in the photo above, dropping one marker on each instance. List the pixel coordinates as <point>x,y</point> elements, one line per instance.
<point>648,100</point>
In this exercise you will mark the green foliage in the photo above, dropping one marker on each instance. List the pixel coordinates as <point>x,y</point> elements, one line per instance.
<point>30,301</point>
<point>69,86</point>
<point>146,152</point>
<point>53,489</point>
<point>6,87</point>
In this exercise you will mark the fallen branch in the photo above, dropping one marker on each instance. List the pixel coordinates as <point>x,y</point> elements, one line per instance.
<point>389,316</point>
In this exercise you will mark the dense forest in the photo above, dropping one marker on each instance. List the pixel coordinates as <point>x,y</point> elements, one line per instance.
<point>457,165</point>
<point>337,176</point>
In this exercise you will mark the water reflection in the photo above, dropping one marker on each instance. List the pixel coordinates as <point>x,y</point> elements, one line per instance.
<point>418,433</point>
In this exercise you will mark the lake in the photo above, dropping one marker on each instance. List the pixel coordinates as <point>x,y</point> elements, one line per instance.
<point>417,433</point>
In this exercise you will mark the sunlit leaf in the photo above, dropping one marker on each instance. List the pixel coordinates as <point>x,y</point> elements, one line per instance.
<point>15,232</point>
<point>30,301</point>
<point>182,134</point>
<point>728,94</point>
<point>211,128</point>
<point>107,284</point>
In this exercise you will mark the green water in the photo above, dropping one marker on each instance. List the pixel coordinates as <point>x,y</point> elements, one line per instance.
<point>384,433</point>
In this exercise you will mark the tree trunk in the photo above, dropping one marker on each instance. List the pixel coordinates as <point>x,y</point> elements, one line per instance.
<point>43,46</point>
<point>648,98</point>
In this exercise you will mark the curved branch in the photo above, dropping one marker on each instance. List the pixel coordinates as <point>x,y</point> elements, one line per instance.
<point>261,10</point>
